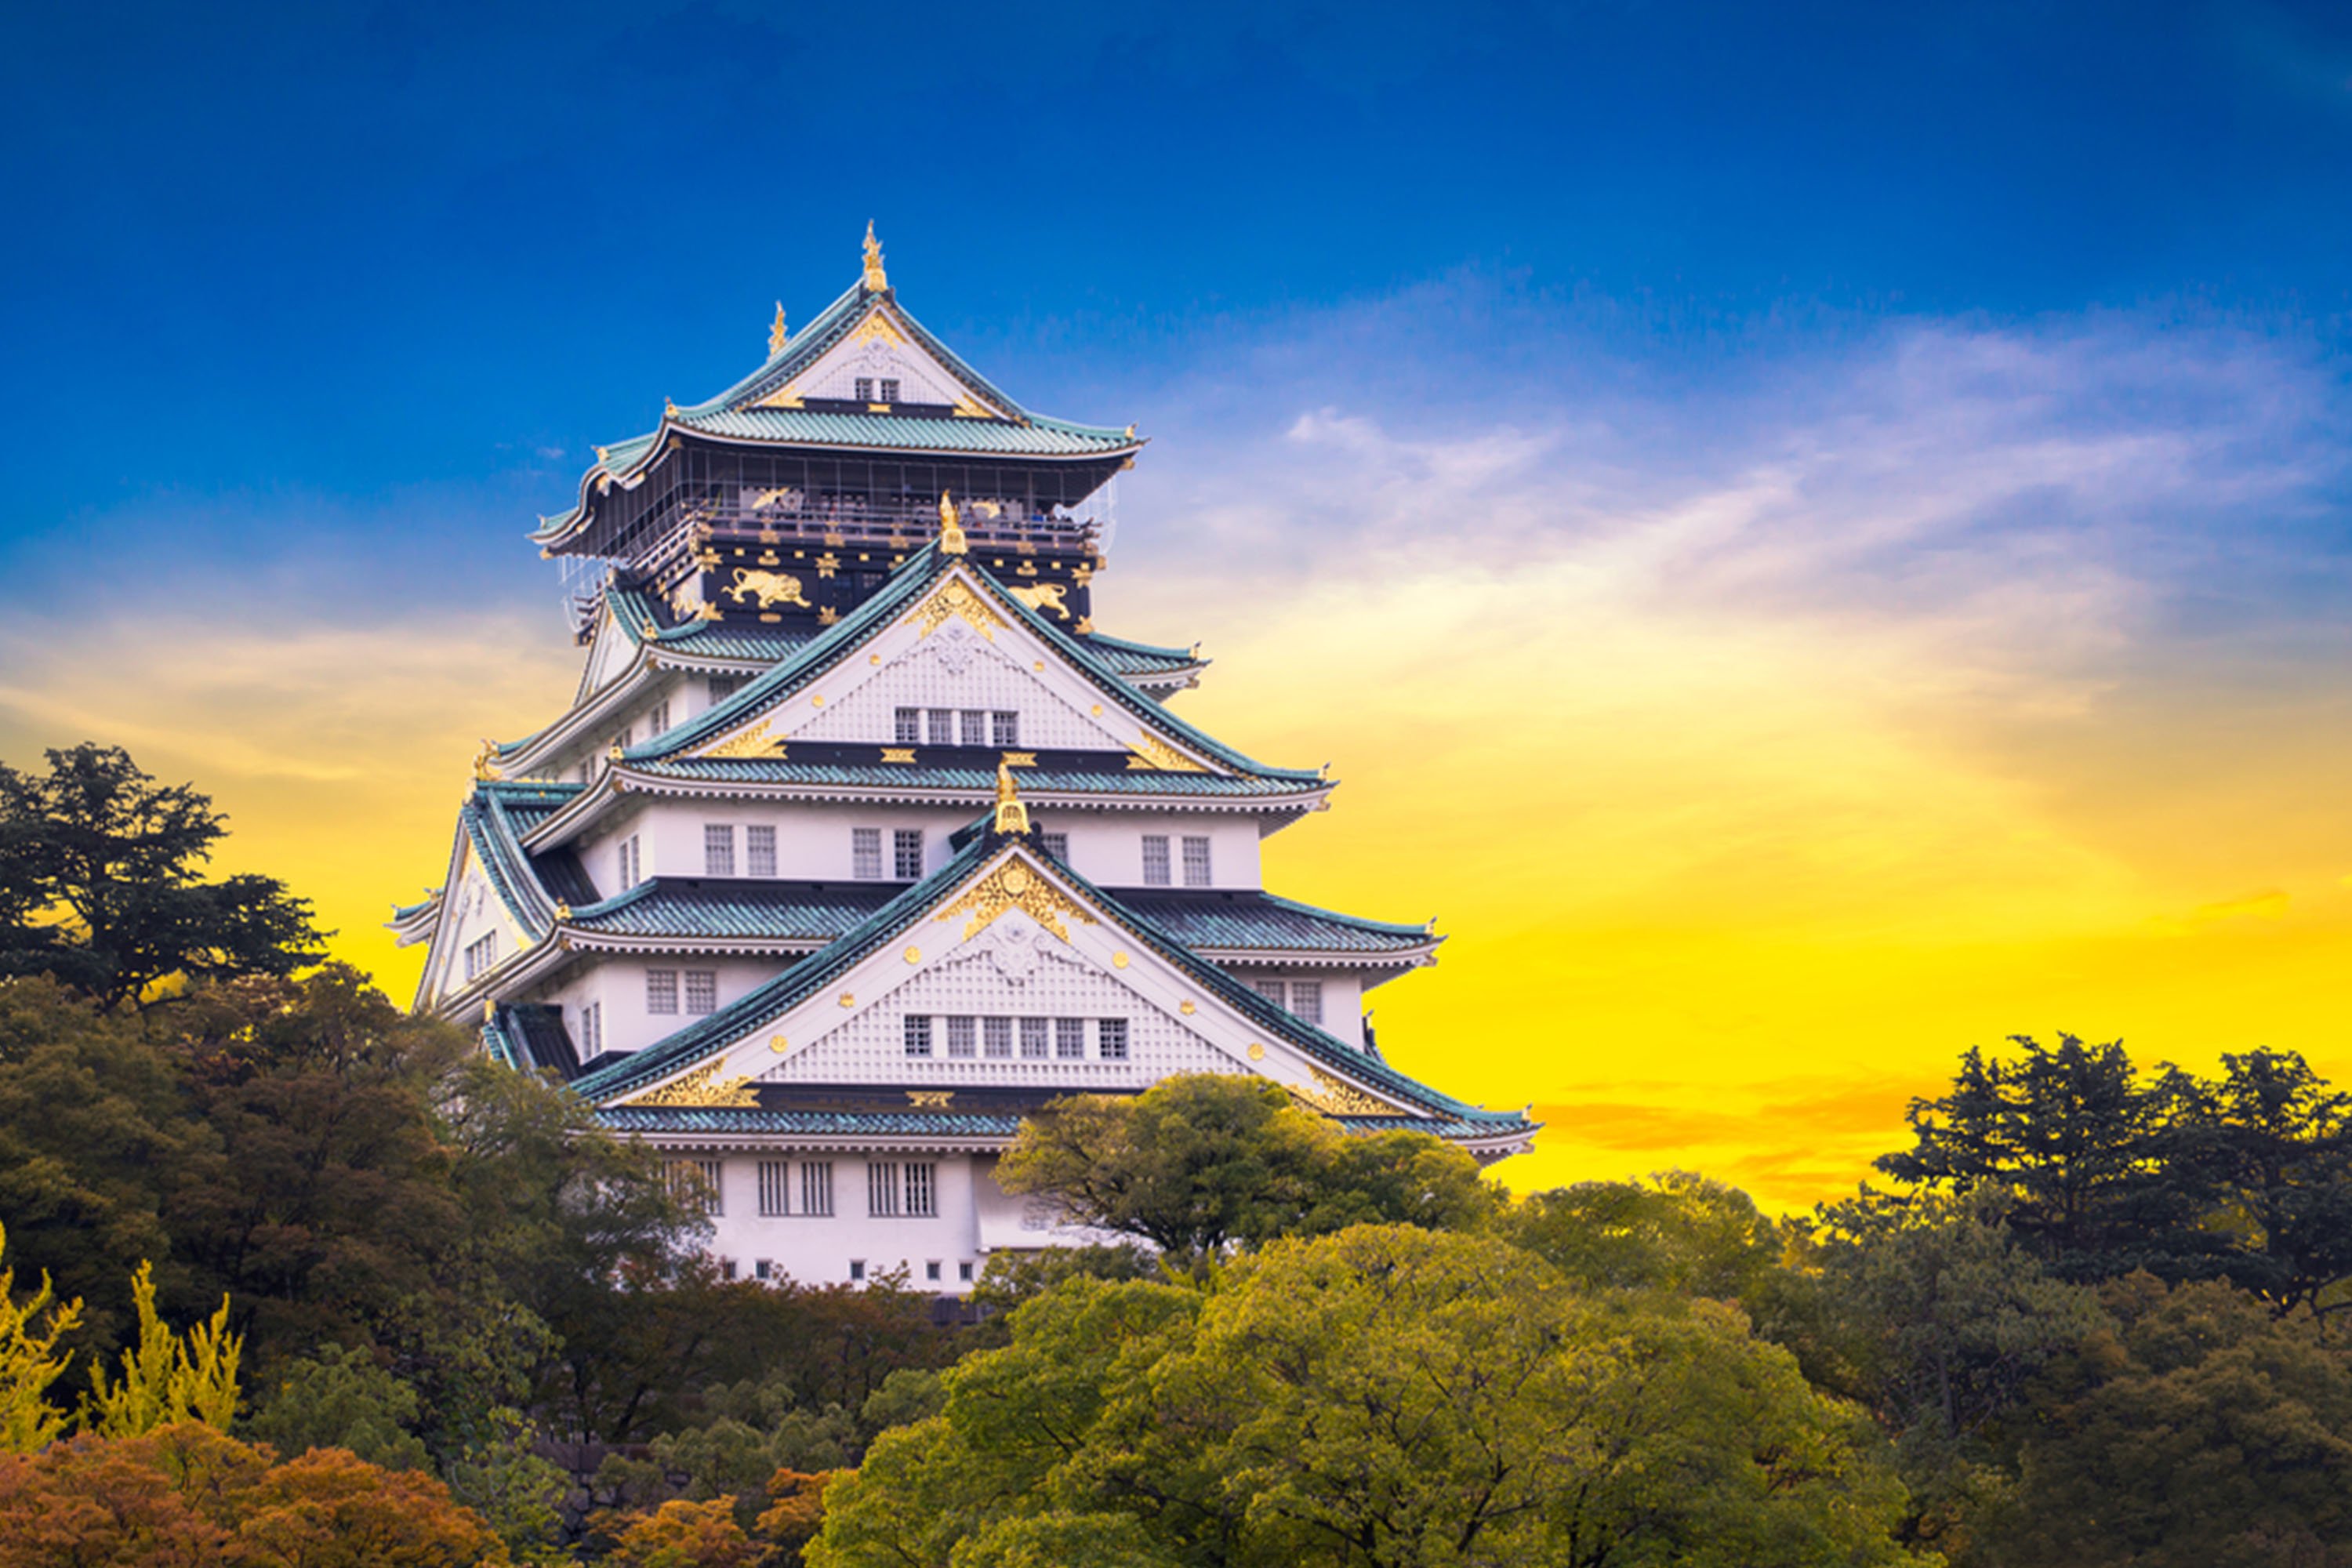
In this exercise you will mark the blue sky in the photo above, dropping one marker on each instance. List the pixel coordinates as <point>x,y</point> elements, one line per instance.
<point>1788,518</point>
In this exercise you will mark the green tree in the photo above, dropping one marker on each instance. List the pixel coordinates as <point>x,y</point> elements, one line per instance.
<point>99,886</point>
<point>1387,1394</point>
<point>338,1397</point>
<point>1675,1232</point>
<point>1200,1163</point>
<point>2274,1142</point>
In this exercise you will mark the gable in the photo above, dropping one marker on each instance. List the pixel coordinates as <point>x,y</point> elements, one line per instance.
<point>609,656</point>
<point>878,349</point>
<point>471,908</point>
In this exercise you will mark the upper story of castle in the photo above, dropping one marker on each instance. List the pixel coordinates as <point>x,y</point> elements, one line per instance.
<point>790,498</point>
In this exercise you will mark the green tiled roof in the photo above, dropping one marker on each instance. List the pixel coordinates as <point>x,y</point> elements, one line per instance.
<point>1040,781</point>
<point>743,641</point>
<point>1261,922</point>
<point>1133,659</point>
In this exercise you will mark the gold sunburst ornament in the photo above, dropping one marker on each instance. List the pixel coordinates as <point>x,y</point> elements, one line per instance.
<point>954,601</point>
<point>1013,885</point>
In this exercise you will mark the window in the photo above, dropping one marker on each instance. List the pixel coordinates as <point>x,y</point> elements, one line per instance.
<point>481,954</point>
<point>919,1035</point>
<point>759,851</point>
<point>696,1183</point>
<point>975,728</point>
<point>1272,990</point>
<point>960,1036</point>
<point>1057,845</point>
<point>1155,859</point>
<point>907,726</point>
<point>1004,729</point>
<point>625,736</point>
<point>718,849</point>
<point>1113,1035</point>
<point>882,1188</point>
<point>1196,862</point>
<point>816,1188</point>
<point>722,686</point>
<point>923,1193</point>
<point>943,726</point>
<point>889,389</point>
<point>661,990</point>
<point>714,1191</point>
<point>658,720</point>
<point>726,1268</point>
<point>862,388</point>
<point>996,1037</point>
<point>1070,1039</point>
<point>963,1272</point>
<point>584,766</point>
<point>701,992</point>
<point>866,853</point>
<point>932,1269</point>
<point>1307,1000</point>
<point>775,1186</point>
<point>765,1268</point>
<point>630,867</point>
<point>592,1030</point>
<point>1036,1036</point>
<point>856,1270</point>
<point>906,854</point>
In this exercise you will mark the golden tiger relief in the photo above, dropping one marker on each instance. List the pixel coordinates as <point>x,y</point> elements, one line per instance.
<point>772,588</point>
<point>1043,596</point>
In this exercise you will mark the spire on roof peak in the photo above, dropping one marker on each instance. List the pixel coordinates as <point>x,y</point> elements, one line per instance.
<point>1011,813</point>
<point>875,281</point>
<point>778,333</point>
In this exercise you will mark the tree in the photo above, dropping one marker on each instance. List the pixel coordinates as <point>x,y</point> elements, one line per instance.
<point>29,1362</point>
<point>340,1397</point>
<point>1386,1394</point>
<point>98,886</point>
<point>1675,1232</point>
<point>681,1534</point>
<point>1201,1161</point>
<point>165,1379</point>
<point>2274,1142</point>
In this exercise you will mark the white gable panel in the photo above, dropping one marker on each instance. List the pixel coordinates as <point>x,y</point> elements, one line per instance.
<point>608,656</point>
<point>957,667</point>
<point>875,351</point>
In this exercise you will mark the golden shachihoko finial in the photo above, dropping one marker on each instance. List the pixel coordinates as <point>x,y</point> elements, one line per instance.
<point>1012,814</point>
<point>875,281</point>
<point>778,333</point>
<point>951,538</point>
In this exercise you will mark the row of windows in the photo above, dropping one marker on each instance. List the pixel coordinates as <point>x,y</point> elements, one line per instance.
<point>895,1189</point>
<point>862,388</point>
<point>1155,861</point>
<point>866,854</point>
<point>701,990</point>
<point>1039,1039</point>
<point>943,726</point>
<point>765,1268</point>
<point>718,850</point>
<point>1303,998</point>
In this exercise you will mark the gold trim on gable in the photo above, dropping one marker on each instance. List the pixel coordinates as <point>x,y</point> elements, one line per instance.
<point>1013,885</point>
<point>1153,754</point>
<point>752,743</point>
<point>955,600</point>
<point>702,1086</point>
<point>1337,1097</point>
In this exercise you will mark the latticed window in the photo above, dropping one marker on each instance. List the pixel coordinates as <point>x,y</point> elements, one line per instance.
<point>661,990</point>
<point>1004,729</point>
<point>759,851</point>
<point>630,867</point>
<point>906,854</point>
<point>866,853</point>
<point>975,729</point>
<point>907,725</point>
<point>889,389</point>
<point>701,992</point>
<point>882,1188</point>
<point>942,722</point>
<point>1196,861</point>
<point>718,848</point>
<point>960,1036</point>
<point>923,1193</point>
<point>1036,1036</point>
<point>1057,845</point>
<point>1307,1000</point>
<point>712,1174</point>
<point>919,1035</point>
<point>775,1187</point>
<point>816,1188</point>
<point>862,388</point>
<point>481,954</point>
<point>658,720</point>
<point>591,1029</point>
<point>1070,1038</point>
<point>1155,859</point>
<point>996,1037</point>
<point>722,686</point>
<point>1112,1034</point>
<point>1273,991</point>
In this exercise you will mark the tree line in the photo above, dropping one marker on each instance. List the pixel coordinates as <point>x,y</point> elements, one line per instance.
<point>2089,1317</point>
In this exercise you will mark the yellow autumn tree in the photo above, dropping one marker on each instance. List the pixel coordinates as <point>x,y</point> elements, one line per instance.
<point>29,1362</point>
<point>165,1379</point>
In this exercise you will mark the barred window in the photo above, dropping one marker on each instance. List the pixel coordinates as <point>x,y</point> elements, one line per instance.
<point>907,726</point>
<point>1057,845</point>
<point>1037,1038</point>
<point>866,853</point>
<point>919,1035</point>
<point>696,1183</point>
<point>942,722</point>
<point>975,728</point>
<point>889,389</point>
<point>1070,1038</point>
<point>816,1188</point>
<point>1155,859</point>
<point>1196,862</point>
<point>1307,1000</point>
<point>759,851</point>
<point>661,990</point>
<point>658,720</point>
<point>862,388</point>
<point>722,686</point>
<point>592,1030</point>
<point>718,849</point>
<point>882,1188</point>
<point>1113,1037</point>
<point>959,1031</point>
<point>923,1193</point>
<point>1004,729</point>
<point>906,854</point>
<point>481,954</point>
<point>1272,990</point>
<point>996,1037</point>
<point>630,866</point>
<point>775,1186</point>
<point>712,1174</point>
<point>701,992</point>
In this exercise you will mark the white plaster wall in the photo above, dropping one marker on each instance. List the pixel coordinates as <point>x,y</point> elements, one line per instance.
<point>618,981</point>
<point>1106,848</point>
<point>1343,996</point>
<point>818,1250</point>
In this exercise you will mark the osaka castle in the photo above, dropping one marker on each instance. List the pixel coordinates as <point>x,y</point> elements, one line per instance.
<point>860,840</point>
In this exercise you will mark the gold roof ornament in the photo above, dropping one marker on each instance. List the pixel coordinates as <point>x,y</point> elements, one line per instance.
<point>485,764</point>
<point>670,409</point>
<point>951,538</point>
<point>875,281</point>
<point>1011,813</point>
<point>778,333</point>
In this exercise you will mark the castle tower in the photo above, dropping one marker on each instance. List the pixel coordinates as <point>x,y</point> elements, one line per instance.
<point>858,840</point>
